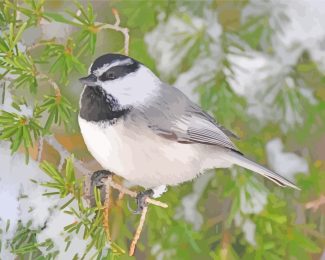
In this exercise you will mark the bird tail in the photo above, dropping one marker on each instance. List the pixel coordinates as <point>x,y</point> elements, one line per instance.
<point>242,161</point>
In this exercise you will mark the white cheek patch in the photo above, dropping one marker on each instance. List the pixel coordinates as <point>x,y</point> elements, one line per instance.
<point>134,88</point>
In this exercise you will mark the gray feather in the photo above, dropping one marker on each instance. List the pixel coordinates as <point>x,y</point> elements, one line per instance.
<point>172,115</point>
<point>250,165</point>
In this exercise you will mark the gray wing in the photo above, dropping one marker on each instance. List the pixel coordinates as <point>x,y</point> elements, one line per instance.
<point>172,115</point>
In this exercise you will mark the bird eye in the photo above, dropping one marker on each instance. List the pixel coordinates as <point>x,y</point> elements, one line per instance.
<point>110,75</point>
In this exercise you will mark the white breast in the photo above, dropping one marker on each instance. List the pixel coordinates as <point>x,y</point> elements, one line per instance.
<point>144,158</point>
<point>140,157</point>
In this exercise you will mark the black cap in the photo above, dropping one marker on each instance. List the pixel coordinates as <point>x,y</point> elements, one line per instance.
<point>108,59</point>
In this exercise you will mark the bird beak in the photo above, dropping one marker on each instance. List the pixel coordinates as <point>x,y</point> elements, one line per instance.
<point>90,80</point>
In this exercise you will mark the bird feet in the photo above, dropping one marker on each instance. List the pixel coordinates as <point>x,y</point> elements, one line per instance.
<point>98,176</point>
<point>141,200</point>
<point>97,180</point>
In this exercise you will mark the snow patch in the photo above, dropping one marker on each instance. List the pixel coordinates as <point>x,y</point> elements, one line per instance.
<point>170,43</point>
<point>253,197</point>
<point>284,163</point>
<point>15,185</point>
<point>188,209</point>
<point>23,200</point>
<point>158,191</point>
<point>297,26</point>
<point>248,228</point>
<point>54,230</point>
<point>26,111</point>
<point>261,79</point>
<point>55,30</point>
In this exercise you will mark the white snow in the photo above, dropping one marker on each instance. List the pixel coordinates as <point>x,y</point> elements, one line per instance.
<point>15,181</point>
<point>188,208</point>
<point>168,45</point>
<point>15,184</point>
<point>249,231</point>
<point>6,106</point>
<point>253,198</point>
<point>159,191</point>
<point>59,31</point>
<point>261,78</point>
<point>201,73</point>
<point>256,200</point>
<point>55,231</point>
<point>7,101</point>
<point>297,26</point>
<point>284,163</point>
<point>248,228</point>
<point>161,254</point>
<point>26,111</point>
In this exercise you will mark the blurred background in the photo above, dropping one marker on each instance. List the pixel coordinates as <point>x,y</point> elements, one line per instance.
<point>257,66</point>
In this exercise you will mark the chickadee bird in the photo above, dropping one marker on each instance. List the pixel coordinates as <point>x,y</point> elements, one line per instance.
<point>150,133</point>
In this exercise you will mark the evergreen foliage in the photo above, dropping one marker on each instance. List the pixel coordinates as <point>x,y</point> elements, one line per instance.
<point>38,78</point>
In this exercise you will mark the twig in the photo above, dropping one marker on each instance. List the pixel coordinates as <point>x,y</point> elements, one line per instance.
<point>315,204</point>
<point>107,207</point>
<point>120,196</point>
<point>40,149</point>
<point>225,241</point>
<point>39,44</point>
<point>3,85</point>
<point>313,232</point>
<point>116,26</point>
<point>52,83</point>
<point>133,194</point>
<point>52,141</point>
<point>117,17</point>
<point>138,232</point>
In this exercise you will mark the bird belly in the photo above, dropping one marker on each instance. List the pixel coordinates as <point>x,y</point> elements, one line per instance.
<point>139,155</point>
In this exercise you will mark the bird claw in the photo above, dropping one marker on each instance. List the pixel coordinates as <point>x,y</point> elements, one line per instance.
<point>141,200</point>
<point>98,176</point>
